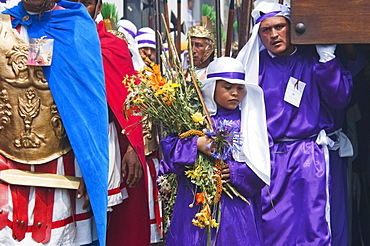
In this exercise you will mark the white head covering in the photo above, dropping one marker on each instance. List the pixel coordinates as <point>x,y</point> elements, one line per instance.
<point>249,54</point>
<point>127,26</point>
<point>146,38</point>
<point>129,30</point>
<point>145,30</point>
<point>255,148</point>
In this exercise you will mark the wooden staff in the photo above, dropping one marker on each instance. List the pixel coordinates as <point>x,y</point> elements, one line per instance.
<point>218,28</point>
<point>157,11</point>
<point>166,16</point>
<point>199,92</point>
<point>150,16</point>
<point>229,29</point>
<point>167,21</point>
<point>178,40</point>
<point>244,22</point>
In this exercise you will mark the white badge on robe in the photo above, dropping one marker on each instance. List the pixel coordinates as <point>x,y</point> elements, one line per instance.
<point>294,91</point>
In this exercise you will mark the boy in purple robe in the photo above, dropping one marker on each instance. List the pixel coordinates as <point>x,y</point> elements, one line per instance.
<point>228,97</point>
<point>305,89</point>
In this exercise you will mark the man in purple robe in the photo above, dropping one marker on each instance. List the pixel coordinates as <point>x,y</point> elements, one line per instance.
<point>305,90</point>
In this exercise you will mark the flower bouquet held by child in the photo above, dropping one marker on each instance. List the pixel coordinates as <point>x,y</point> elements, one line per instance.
<point>219,181</point>
<point>237,112</point>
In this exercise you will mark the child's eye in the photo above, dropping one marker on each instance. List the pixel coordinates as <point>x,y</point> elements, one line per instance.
<point>227,87</point>
<point>240,88</point>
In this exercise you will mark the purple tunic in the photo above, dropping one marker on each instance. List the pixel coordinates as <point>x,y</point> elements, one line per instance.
<point>240,222</point>
<point>298,184</point>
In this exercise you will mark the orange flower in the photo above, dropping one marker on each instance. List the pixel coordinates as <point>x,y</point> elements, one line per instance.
<point>199,198</point>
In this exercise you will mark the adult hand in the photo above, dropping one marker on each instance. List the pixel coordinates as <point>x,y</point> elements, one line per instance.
<point>326,51</point>
<point>204,145</point>
<point>131,166</point>
<point>82,192</point>
<point>225,173</point>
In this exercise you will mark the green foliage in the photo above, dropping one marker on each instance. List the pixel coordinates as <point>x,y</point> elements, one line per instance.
<point>236,26</point>
<point>211,13</point>
<point>109,11</point>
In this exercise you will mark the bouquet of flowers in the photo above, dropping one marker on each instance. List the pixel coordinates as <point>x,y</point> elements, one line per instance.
<point>175,102</point>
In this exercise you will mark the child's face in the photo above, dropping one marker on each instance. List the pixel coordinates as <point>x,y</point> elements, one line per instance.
<point>228,95</point>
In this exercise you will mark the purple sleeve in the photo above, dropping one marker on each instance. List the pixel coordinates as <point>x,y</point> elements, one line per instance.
<point>335,83</point>
<point>178,153</point>
<point>244,179</point>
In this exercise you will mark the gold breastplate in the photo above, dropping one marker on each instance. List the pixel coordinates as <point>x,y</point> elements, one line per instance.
<point>31,130</point>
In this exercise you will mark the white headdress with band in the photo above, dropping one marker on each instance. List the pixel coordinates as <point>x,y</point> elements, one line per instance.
<point>255,148</point>
<point>126,26</point>
<point>249,54</point>
<point>129,30</point>
<point>145,38</point>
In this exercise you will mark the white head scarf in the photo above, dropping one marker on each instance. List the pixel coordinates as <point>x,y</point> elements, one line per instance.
<point>129,30</point>
<point>128,27</point>
<point>146,38</point>
<point>255,148</point>
<point>249,54</point>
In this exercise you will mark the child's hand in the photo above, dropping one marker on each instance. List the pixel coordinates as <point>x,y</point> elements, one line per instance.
<point>204,145</point>
<point>225,173</point>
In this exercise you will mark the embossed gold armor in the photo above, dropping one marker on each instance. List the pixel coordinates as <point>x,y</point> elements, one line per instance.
<point>150,134</point>
<point>31,130</point>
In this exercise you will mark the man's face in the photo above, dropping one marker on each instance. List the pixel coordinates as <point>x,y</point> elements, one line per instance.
<point>275,35</point>
<point>199,47</point>
<point>190,4</point>
<point>91,6</point>
<point>149,52</point>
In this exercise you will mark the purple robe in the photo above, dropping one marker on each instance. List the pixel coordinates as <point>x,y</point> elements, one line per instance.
<point>240,222</point>
<point>298,183</point>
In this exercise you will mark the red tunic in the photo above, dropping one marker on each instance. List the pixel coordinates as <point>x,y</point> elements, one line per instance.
<point>129,221</point>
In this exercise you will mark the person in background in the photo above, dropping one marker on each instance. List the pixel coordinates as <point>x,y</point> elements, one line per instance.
<point>305,89</point>
<point>190,21</point>
<point>203,47</point>
<point>130,31</point>
<point>51,127</point>
<point>146,43</point>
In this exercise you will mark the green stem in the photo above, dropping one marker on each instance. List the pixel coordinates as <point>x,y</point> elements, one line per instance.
<point>209,235</point>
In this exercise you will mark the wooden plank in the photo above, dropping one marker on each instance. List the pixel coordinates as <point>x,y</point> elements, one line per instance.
<point>330,22</point>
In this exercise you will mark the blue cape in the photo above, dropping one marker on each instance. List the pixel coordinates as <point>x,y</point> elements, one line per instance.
<point>76,81</point>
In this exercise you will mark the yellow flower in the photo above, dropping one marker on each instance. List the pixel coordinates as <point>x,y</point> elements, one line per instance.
<point>197,117</point>
<point>214,223</point>
<point>191,174</point>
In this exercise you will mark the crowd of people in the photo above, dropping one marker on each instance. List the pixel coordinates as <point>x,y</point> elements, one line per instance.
<point>66,120</point>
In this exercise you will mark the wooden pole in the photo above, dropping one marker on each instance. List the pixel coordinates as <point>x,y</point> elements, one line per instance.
<point>199,92</point>
<point>245,22</point>
<point>218,28</point>
<point>230,23</point>
<point>158,37</point>
<point>167,21</point>
<point>178,40</point>
<point>150,15</point>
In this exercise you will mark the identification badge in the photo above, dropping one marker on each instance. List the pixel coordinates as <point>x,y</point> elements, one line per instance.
<point>294,91</point>
<point>40,52</point>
